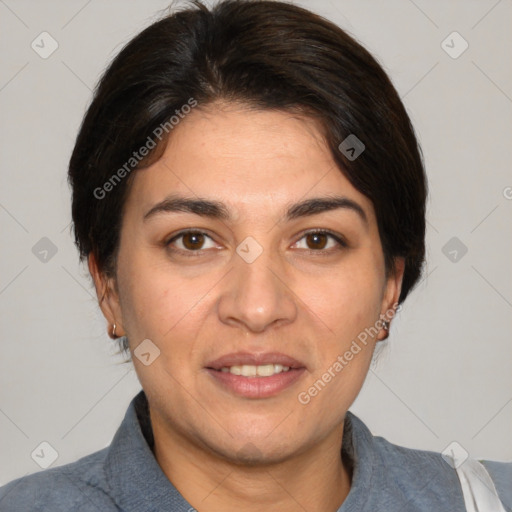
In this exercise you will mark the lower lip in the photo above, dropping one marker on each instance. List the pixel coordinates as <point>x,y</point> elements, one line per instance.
<point>257,387</point>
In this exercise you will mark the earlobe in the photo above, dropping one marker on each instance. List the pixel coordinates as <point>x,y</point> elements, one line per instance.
<point>108,298</point>
<point>391,296</point>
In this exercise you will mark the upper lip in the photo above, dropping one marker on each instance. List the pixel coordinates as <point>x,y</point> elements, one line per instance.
<point>256,359</point>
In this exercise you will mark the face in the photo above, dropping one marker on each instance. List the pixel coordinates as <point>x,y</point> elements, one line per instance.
<point>254,279</point>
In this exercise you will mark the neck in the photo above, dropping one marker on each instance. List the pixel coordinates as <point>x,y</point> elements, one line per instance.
<point>317,480</point>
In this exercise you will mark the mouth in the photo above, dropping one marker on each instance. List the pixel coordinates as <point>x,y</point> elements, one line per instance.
<point>255,375</point>
<point>249,370</point>
<point>248,360</point>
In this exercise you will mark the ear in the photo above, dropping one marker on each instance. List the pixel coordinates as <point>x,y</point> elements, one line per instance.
<point>108,298</point>
<point>392,289</point>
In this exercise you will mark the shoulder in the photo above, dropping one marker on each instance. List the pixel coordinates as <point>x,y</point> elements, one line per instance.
<point>417,479</point>
<point>80,485</point>
<point>402,478</point>
<point>426,475</point>
<point>501,474</point>
<point>422,476</point>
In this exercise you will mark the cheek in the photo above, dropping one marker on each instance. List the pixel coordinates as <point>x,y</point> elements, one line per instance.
<point>346,305</point>
<point>345,301</point>
<point>168,311</point>
<point>160,304</point>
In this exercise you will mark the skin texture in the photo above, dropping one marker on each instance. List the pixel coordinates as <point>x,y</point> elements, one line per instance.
<point>303,297</point>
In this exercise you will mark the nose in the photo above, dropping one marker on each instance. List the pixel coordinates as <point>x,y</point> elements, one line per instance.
<point>256,295</point>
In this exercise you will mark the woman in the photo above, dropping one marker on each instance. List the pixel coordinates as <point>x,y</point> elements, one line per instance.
<point>250,197</point>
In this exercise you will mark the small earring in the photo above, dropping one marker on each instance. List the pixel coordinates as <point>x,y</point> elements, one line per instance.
<point>113,334</point>
<point>385,326</point>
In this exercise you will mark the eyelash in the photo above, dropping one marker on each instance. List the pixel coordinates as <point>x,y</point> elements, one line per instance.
<point>318,252</point>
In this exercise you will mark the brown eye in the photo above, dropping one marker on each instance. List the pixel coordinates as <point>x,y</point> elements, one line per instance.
<point>320,241</point>
<point>193,241</point>
<point>316,240</point>
<point>190,241</point>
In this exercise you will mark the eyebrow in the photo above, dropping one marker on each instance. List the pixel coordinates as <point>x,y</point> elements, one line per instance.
<point>218,210</point>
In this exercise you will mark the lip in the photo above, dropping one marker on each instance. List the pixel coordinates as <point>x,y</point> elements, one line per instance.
<point>256,387</point>
<point>255,359</point>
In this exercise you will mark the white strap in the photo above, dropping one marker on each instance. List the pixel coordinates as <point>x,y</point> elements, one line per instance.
<point>479,492</point>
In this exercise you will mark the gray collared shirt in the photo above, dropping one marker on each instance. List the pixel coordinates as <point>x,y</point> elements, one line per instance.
<point>126,476</point>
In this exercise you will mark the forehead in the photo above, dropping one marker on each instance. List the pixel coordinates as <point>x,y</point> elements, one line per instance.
<point>253,161</point>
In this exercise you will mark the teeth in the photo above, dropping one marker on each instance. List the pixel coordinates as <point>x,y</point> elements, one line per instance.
<point>247,370</point>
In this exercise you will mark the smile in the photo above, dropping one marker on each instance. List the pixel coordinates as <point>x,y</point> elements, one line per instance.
<point>255,385</point>
<point>247,370</point>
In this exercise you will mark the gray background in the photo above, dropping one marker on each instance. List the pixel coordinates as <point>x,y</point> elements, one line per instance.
<point>445,374</point>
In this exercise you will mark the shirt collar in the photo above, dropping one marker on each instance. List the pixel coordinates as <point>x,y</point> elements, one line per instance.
<point>138,484</point>
<point>136,481</point>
